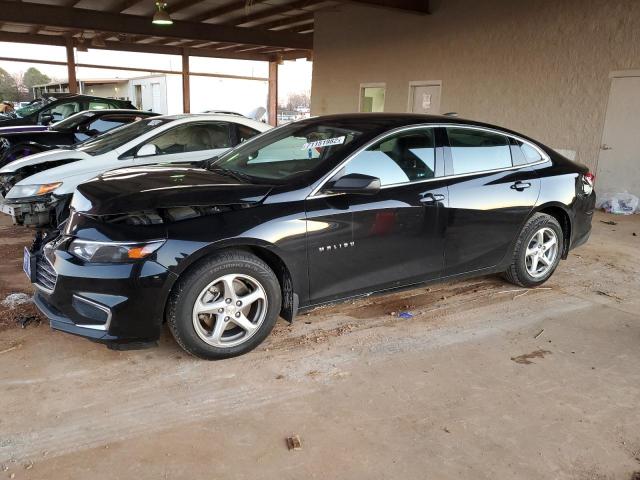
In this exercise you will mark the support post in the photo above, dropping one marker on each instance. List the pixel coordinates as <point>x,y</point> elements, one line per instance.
<point>186,89</point>
<point>71,67</point>
<point>272,103</point>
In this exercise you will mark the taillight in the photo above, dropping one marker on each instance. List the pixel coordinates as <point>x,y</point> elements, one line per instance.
<point>588,180</point>
<point>591,178</point>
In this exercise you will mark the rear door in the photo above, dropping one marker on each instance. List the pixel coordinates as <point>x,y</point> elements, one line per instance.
<point>490,196</point>
<point>359,243</point>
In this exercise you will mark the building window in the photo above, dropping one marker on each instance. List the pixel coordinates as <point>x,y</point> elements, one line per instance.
<point>372,98</point>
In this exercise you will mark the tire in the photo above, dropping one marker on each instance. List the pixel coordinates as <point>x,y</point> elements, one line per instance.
<point>524,270</point>
<point>208,329</point>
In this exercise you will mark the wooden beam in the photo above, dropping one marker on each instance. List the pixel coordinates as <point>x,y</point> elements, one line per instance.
<point>279,10</point>
<point>143,47</point>
<point>124,5</point>
<point>177,6</point>
<point>72,18</point>
<point>414,6</point>
<point>134,69</point>
<point>71,67</point>
<point>293,21</point>
<point>272,103</point>
<point>220,11</point>
<point>186,90</point>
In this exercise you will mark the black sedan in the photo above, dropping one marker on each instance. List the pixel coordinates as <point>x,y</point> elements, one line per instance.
<point>313,212</point>
<point>75,129</point>
<point>51,109</point>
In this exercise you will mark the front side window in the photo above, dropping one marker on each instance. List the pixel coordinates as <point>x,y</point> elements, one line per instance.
<point>404,157</point>
<point>287,152</point>
<point>118,137</point>
<point>62,110</point>
<point>193,138</point>
<point>477,150</point>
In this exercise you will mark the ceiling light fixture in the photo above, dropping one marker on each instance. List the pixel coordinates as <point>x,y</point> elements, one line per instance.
<point>161,17</point>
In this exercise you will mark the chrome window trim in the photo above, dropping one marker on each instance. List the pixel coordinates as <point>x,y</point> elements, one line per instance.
<point>99,306</point>
<point>545,158</point>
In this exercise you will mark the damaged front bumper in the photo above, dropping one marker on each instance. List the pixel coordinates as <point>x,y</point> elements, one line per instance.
<point>34,211</point>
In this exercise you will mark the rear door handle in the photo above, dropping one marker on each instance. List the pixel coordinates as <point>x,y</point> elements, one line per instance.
<point>432,198</point>
<point>520,186</point>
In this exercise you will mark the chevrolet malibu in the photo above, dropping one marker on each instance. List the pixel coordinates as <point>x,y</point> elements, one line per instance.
<point>309,213</point>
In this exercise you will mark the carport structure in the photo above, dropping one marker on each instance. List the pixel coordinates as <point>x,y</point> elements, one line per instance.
<point>270,30</point>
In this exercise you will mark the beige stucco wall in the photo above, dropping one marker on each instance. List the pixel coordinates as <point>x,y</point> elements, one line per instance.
<point>540,67</point>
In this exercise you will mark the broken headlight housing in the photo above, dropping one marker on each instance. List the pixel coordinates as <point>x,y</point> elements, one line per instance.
<point>112,252</point>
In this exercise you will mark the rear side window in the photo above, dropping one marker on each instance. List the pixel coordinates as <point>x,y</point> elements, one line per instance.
<point>405,157</point>
<point>523,153</point>
<point>478,150</point>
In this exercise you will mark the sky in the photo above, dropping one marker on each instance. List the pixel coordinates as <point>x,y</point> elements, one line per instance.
<point>294,76</point>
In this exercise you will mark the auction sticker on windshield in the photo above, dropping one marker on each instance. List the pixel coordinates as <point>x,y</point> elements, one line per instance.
<point>324,143</point>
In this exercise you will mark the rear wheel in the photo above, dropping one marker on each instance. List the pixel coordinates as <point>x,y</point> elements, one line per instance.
<point>224,307</point>
<point>537,251</point>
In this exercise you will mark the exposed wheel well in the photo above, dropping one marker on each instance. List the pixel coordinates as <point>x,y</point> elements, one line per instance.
<point>565,222</point>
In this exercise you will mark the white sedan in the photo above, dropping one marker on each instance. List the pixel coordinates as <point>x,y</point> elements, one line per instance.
<point>37,189</point>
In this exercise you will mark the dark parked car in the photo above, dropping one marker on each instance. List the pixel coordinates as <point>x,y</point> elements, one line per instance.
<point>73,130</point>
<point>52,109</point>
<point>312,212</point>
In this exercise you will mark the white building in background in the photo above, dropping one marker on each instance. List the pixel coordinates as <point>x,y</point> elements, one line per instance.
<point>163,93</point>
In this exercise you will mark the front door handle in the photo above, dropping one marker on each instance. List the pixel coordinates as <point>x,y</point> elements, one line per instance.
<point>432,198</point>
<point>520,186</point>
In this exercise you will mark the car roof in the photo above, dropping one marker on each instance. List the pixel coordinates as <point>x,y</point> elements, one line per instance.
<point>120,110</point>
<point>387,121</point>
<point>218,117</point>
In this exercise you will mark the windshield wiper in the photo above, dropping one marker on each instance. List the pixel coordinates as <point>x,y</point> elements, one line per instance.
<point>233,173</point>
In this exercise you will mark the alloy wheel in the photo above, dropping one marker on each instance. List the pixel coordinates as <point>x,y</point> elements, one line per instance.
<point>230,310</point>
<point>541,253</point>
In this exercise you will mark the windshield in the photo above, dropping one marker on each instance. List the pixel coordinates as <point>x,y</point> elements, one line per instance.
<point>291,151</point>
<point>33,107</point>
<point>119,136</point>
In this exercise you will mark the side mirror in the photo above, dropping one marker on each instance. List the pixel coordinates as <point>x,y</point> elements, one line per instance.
<point>146,150</point>
<point>46,119</point>
<point>355,183</point>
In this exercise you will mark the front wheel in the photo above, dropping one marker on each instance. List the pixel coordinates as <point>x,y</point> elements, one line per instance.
<point>224,307</point>
<point>537,251</point>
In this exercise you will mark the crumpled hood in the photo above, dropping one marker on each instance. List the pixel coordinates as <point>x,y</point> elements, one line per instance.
<point>162,186</point>
<point>44,157</point>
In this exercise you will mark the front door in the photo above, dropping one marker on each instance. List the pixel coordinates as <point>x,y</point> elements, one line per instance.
<point>362,243</point>
<point>190,142</point>
<point>489,198</point>
<point>424,98</point>
<point>619,163</point>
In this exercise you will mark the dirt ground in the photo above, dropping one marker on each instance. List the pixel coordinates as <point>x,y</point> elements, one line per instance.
<point>485,381</point>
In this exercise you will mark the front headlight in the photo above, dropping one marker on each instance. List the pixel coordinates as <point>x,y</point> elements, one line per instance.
<point>112,252</point>
<point>20,191</point>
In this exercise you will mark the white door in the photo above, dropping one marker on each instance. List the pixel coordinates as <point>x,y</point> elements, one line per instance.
<point>424,99</point>
<point>156,101</point>
<point>619,162</point>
